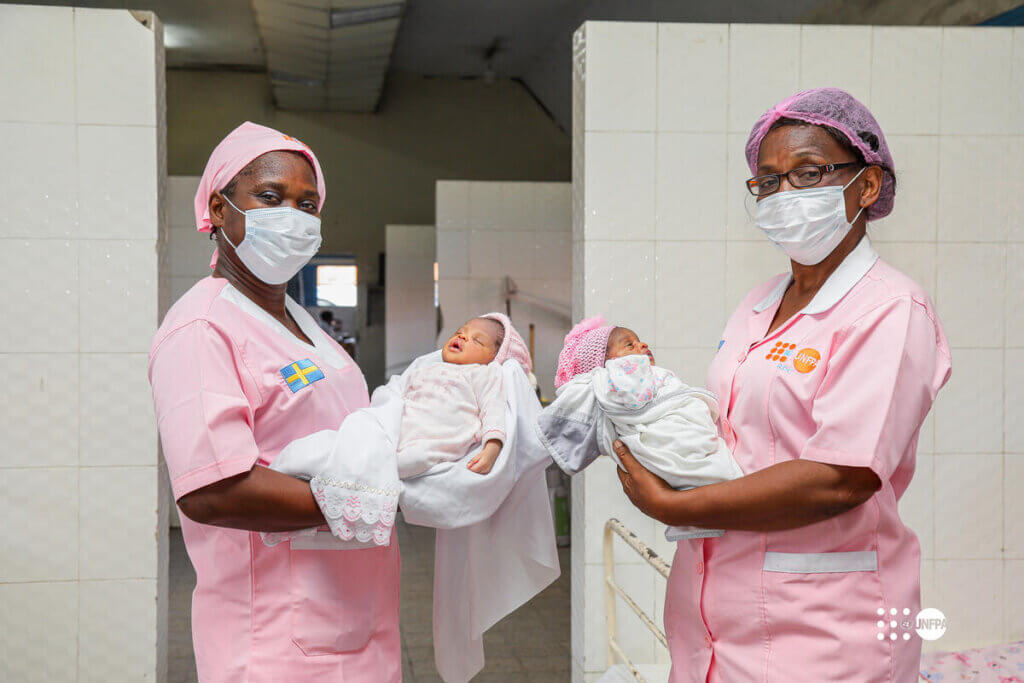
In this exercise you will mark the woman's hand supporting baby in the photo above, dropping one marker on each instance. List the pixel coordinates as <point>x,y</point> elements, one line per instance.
<point>485,459</point>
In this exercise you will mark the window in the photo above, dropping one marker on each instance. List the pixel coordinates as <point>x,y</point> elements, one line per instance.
<point>336,285</point>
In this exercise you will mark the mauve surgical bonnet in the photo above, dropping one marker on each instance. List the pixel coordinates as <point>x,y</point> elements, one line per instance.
<point>840,110</point>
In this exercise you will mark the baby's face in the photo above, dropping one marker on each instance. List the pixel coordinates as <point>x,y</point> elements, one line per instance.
<point>624,342</point>
<point>476,342</point>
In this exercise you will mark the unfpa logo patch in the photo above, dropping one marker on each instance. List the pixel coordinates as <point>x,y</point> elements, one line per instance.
<point>806,360</point>
<point>803,361</point>
<point>780,352</point>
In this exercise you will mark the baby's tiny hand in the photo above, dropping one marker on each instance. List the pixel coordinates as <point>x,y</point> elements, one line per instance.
<point>485,459</point>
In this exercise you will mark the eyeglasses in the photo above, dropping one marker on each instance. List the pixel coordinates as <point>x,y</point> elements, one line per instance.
<point>801,177</point>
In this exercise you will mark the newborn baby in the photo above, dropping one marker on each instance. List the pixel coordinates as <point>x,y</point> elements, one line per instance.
<point>608,388</point>
<point>452,407</point>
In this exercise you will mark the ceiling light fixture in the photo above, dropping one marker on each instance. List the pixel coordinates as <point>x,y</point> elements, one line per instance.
<point>355,16</point>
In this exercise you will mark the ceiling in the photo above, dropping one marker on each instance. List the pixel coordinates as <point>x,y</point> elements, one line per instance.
<point>526,39</point>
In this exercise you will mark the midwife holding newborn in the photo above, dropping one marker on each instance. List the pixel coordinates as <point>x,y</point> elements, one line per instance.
<point>238,371</point>
<point>824,376</point>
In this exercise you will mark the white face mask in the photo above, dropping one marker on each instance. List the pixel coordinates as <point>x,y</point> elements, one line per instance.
<point>806,224</point>
<point>278,241</point>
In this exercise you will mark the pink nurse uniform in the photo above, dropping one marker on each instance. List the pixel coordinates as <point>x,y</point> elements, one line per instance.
<point>232,386</point>
<point>847,381</point>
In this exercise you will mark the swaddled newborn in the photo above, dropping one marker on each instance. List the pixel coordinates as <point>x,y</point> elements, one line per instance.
<point>454,406</point>
<point>608,387</point>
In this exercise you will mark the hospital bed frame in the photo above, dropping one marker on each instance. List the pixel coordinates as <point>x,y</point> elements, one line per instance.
<point>615,652</point>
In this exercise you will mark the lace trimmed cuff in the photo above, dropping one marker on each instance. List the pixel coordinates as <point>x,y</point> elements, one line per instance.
<point>356,511</point>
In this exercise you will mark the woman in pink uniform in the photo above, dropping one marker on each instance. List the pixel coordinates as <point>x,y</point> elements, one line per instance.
<point>239,370</point>
<point>825,376</point>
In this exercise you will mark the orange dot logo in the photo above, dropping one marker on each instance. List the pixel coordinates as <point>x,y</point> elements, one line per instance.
<point>806,360</point>
<point>780,351</point>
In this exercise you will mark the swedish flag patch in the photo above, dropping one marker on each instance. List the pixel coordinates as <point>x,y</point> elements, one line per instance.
<point>301,373</point>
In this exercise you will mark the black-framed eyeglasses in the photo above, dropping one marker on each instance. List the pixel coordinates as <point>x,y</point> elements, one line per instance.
<point>800,177</point>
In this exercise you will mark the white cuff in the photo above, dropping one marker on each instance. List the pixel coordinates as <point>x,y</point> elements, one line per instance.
<point>355,511</point>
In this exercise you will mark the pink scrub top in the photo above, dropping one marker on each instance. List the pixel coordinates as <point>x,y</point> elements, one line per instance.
<point>846,381</point>
<point>232,386</point>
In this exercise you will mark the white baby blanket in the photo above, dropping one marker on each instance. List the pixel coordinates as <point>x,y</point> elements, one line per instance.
<point>495,545</point>
<point>668,426</point>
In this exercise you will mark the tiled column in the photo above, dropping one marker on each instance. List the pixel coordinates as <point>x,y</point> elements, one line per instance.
<point>410,315</point>
<point>664,242</point>
<point>83,554</point>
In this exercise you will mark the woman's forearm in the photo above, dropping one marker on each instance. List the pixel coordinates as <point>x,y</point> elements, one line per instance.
<point>784,496</point>
<point>258,500</point>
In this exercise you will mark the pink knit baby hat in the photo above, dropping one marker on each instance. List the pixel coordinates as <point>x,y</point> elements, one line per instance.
<point>585,348</point>
<point>512,346</point>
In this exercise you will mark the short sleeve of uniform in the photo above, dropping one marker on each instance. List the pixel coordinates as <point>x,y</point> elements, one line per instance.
<point>881,379</point>
<point>204,397</point>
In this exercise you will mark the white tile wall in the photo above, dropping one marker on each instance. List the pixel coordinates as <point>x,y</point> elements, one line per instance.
<point>764,67</point>
<point>957,229</point>
<point>1013,312</point>
<point>35,649</point>
<point>970,594</point>
<point>114,275</point>
<point>410,315</point>
<point>115,541</point>
<point>40,505</point>
<point>620,168</point>
<point>115,62</point>
<point>974,95</point>
<point>489,230</point>
<point>821,65</point>
<point>44,208</point>
<point>43,393</point>
<point>689,294</point>
<point>691,186</point>
<point>968,527</point>
<point>1013,506</point>
<point>905,100</point>
<point>678,47</point>
<point>1013,396</point>
<point>78,254</point>
<point>45,92</point>
<point>917,183</point>
<point>1013,594</point>
<point>981,164</point>
<point>117,644</point>
<point>116,201</point>
<point>42,295</point>
<point>622,76</point>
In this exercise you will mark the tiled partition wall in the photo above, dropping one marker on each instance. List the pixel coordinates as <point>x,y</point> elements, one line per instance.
<point>489,230</point>
<point>663,241</point>
<point>188,251</point>
<point>82,552</point>
<point>410,318</point>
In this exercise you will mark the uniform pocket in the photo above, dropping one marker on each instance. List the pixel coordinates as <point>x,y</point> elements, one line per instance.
<point>336,599</point>
<point>821,617</point>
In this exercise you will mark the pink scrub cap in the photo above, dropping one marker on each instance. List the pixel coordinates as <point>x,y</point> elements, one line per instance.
<point>512,346</point>
<point>235,152</point>
<point>836,109</point>
<point>585,348</point>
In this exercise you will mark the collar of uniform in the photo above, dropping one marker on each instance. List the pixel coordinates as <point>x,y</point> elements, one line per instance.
<point>855,266</point>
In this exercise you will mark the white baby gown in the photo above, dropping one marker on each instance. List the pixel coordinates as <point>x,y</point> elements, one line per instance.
<point>668,426</point>
<point>495,544</point>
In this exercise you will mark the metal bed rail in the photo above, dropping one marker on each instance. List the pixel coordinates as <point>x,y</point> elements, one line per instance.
<point>613,589</point>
